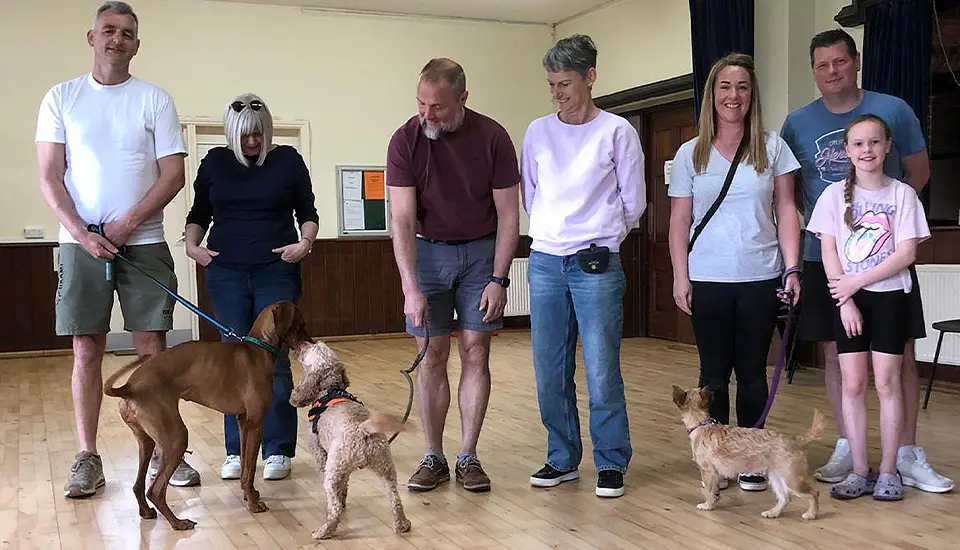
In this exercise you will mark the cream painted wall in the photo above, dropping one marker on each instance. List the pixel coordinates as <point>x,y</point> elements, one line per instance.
<point>639,42</point>
<point>352,78</point>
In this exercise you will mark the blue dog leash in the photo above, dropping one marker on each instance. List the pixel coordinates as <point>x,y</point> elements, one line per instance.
<point>227,331</point>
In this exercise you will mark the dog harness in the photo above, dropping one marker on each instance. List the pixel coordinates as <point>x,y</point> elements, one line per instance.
<point>332,397</point>
<point>706,422</point>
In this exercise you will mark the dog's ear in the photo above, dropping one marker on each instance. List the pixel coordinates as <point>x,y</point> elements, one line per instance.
<point>679,396</point>
<point>306,391</point>
<point>706,396</point>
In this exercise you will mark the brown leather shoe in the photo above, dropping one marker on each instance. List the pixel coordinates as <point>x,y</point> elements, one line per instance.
<point>471,475</point>
<point>431,473</point>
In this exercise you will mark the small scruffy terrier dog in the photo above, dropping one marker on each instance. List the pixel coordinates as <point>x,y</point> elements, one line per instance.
<point>725,451</point>
<point>346,436</point>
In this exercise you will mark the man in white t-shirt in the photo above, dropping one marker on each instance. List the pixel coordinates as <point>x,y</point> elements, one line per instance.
<point>110,151</point>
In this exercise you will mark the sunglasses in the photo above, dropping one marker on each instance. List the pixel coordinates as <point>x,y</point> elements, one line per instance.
<point>238,106</point>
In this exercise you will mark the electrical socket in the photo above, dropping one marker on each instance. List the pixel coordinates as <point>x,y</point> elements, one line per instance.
<point>33,232</point>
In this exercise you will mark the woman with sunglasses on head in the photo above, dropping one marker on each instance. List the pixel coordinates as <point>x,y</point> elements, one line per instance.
<point>256,194</point>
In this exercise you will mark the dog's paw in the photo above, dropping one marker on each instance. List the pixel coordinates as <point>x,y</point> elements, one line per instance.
<point>402,526</point>
<point>182,524</point>
<point>705,506</point>
<point>770,514</point>
<point>257,507</point>
<point>324,532</point>
<point>809,516</point>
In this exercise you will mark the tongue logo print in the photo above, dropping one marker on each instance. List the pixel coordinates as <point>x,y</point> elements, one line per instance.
<point>872,233</point>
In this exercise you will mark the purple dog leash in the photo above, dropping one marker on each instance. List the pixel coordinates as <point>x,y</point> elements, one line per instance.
<point>784,343</point>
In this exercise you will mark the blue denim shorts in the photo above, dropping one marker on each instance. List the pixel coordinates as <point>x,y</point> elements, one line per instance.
<point>452,277</point>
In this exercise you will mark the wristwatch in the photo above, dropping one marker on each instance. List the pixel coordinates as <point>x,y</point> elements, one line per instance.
<point>502,281</point>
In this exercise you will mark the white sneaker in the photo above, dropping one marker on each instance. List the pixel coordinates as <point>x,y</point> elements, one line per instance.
<point>230,468</point>
<point>839,466</point>
<point>277,467</point>
<point>917,472</point>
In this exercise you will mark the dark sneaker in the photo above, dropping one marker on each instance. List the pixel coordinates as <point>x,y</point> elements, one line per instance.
<point>752,481</point>
<point>609,484</point>
<point>471,475</point>
<point>548,476</point>
<point>86,475</point>
<point>432,472</point>
<point>183,476</point>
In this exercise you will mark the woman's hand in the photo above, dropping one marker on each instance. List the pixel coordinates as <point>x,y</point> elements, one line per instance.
<point>791,290</point>
<point>852,320</point>
<point>843,288</point>
<point>200,254</point>
<point>293,253</point>
<point>683,295</point>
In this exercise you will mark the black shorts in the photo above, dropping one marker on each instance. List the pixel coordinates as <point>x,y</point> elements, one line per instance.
<point>885,323</point>
<point>819,310</point>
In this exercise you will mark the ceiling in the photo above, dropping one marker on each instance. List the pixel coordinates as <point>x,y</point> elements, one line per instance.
<point>514,11</point>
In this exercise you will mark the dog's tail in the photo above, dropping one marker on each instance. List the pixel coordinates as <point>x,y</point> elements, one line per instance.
<point>382,423</point>
<point>815,431</point>
<point>124,390</point>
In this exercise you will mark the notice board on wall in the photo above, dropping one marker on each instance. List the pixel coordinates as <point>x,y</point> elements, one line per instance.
<point>364,200</point>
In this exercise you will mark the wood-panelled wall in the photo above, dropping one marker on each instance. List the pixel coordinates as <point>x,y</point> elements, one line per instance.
<point>351,287</point>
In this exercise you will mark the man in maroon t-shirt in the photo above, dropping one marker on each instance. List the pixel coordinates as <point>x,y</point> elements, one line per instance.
<point>455,208</point>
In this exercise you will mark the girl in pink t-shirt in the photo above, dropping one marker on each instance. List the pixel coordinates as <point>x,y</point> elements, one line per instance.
<point>869,227</point>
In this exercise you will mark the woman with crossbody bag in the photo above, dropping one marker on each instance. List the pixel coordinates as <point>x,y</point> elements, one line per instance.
<point>736,182</point>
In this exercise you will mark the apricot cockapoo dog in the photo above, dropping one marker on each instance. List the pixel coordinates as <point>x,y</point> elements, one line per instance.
<point>344,435</point>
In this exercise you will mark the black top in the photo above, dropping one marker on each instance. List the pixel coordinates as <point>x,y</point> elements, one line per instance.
<point>252,208</point>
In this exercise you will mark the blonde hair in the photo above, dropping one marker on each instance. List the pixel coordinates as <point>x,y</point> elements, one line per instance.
<point>852,177</point>
<point>756,148</point>
<point>247,121</point>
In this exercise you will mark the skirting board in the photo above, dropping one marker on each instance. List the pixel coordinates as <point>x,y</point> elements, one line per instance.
<point>122,342</point>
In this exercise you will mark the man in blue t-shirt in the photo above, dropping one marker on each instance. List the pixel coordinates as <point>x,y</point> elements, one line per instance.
<point>815,134</point>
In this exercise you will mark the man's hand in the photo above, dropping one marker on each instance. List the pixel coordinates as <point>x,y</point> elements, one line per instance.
<point>201,255</point>
<point>96,245</point>
<point>415,306</point>
<point>118,231</point>
<point>493,301</point>
<point>293,253</point>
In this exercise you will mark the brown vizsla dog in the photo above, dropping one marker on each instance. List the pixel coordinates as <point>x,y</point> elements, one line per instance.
<point>230,377</point>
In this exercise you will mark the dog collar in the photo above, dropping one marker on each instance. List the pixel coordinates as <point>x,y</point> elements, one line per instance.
<point>702,423</point>
<point>261,344</point>
<point>332,397</point>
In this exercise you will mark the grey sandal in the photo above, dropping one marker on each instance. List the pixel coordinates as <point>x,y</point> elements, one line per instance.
<point>888,487</point>
<point>854,486</point>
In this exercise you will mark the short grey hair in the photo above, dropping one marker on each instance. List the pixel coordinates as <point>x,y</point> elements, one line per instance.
<point>574,53</point>
<point>446,70</point>
<point>247,121</point>
<point>119,8</point>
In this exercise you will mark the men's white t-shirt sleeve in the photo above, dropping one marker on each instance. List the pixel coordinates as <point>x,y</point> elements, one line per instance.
<point>785,161</point>
<point>168,135</point>
<point>50,126</point>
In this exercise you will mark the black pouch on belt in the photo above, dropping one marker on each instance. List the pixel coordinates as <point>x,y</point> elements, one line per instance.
<point>595,259</point>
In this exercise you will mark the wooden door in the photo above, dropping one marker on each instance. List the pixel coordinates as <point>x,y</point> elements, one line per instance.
<point>665,128</point>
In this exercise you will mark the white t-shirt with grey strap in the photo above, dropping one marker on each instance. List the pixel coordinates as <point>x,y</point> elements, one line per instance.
<point>739,243</point>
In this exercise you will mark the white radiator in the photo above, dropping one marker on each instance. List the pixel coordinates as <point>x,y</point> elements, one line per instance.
<point>940,289</point>
<point>518,293</point>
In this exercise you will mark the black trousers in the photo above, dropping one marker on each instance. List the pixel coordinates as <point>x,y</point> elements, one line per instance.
<point>733,324</point>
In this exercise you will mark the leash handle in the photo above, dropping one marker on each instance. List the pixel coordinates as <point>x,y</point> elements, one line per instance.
<point>108,267</point>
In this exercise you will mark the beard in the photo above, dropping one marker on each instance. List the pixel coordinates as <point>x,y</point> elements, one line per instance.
<point>435,132</point>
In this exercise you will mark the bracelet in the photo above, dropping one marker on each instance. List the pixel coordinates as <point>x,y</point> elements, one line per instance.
<point>791,271</point>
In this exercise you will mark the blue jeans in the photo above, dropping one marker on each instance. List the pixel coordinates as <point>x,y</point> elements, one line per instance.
<point>238,296</point>
<point>566,302</point>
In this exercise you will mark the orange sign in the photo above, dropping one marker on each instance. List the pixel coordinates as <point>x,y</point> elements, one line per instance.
<point>373,185</point>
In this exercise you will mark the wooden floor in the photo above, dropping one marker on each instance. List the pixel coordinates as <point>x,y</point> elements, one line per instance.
<point>37,443</point>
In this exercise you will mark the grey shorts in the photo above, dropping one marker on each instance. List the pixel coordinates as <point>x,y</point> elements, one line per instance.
<point>452,277</point>
<point>84,299</point>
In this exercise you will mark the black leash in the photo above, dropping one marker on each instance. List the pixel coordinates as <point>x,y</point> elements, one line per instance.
<point>227,331</point>
<point>407,372</point>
